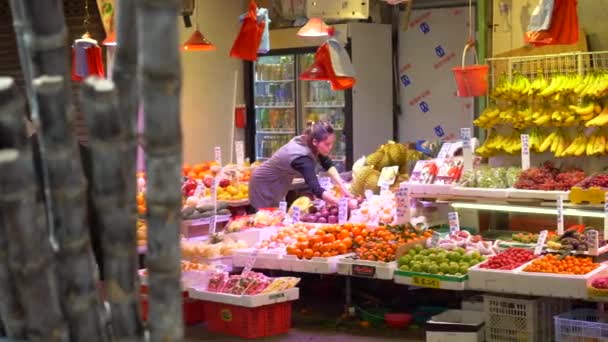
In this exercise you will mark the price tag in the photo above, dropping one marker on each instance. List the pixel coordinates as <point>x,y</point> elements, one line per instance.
<point>593,241</point>
<point>325,183</point>
<point>606,216</point>
<point>426,282</point>
<point>525,151</point>
<point>250,262</point>
<point>283,206</point>
<point>444,151</point>
<point>540,243</point>
<point>218,154</point>
<point>560,215</point>
<point>363,271</point>
<point>343,210</point>
<point>212,224</point>
<point>384,186</point>
<point>276,296</point>
<point>454,222</point>
<point>388,175</point>
<point>402,199</point>
<point>295,214</point>
<point>240,152</point>
<point>467,154</point>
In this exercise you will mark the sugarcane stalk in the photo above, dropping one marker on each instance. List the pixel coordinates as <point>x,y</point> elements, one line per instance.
<point>77,282</point>
<point>31,258</point>
<point>107,144</point>
<point>11,310</point>
<point>160,86</point>
<point>123,278</point>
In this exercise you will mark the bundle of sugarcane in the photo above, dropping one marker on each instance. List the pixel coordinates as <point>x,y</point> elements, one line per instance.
<point>30,301</point>
<point>64,304</point>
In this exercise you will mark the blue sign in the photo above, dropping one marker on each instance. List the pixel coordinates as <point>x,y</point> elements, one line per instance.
<point>424,107</point>
<point>439,51</point>
<point>439,131</point>
<point>425,28</point>
<point>405,80</point>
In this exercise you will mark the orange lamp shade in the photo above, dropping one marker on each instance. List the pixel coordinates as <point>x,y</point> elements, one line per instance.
<point>198,42</point>
<point>315,27</point>
<point>110,39</point>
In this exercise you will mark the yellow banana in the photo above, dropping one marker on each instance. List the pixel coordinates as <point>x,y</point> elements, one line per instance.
<point>547,142</point>
<point>590,145</point>
<point>588,109</point>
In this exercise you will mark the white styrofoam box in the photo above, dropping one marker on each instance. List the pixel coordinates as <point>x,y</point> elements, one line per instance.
<point>246,301</point>
<point>456,326</point>
<point>537,194</point>
<point>376,269</point>
<point>253,235</point>
<point>315,265</point>
<point>264,260</point>
<point>491,280</point>
<point>553,285</point>
<point>480,192</point>
<point>188,278</point>
<point>417,190</point>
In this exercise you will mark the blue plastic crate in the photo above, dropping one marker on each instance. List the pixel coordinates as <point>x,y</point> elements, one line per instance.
<point>582,325</point>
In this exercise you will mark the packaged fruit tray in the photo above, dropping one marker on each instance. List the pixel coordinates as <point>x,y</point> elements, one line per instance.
<point>497,273</point>
<point>317,265</point>
<point>434,281</point>
<point>248,301</point>
<point>597,287</point>
<point>366,269</point>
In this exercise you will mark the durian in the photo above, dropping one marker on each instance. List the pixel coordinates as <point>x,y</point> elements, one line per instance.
<point>375,158</point>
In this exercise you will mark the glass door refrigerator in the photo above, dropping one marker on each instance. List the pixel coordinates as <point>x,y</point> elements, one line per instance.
<point>279,105</point>
<point>274,104</point>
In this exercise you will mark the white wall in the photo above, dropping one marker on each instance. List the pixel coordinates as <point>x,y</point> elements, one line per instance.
<point>208,82</point>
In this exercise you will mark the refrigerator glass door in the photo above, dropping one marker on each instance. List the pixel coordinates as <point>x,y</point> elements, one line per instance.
<point>317,102</point>
<point>274,100</point>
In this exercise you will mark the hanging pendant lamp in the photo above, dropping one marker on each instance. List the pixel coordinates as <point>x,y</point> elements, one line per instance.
<point>110,39</point>
<point>197,41</point>
<point>315,27</point>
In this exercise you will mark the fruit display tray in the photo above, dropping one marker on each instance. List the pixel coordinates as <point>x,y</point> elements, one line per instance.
<point>315,265</point>
<point>269,260</point>
<point>552,285</point>
<point>549,195</point>
<point>593,195</point>
<point>485,279</point>
<point>252,235</point>
<point>480,192</point>
<point>247,301</point>
<point>418,190</point>
<point>367,269</point>
<point>434,281</point>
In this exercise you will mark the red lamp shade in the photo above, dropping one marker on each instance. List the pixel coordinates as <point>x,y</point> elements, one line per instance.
<point>315,27</point>
<point>198,42</point>
<point>110,39</point>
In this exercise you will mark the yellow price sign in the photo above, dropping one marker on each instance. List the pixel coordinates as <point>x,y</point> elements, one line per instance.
<point>426,282</point>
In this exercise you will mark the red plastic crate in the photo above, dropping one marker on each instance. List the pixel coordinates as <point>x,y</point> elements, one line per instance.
<point>263,321</point>
<point>193,310</point>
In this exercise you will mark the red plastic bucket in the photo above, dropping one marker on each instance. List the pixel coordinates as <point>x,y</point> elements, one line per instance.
<point>471,80</point>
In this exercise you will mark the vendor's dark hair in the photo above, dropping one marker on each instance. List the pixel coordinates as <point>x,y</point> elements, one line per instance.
<point>318,131</point>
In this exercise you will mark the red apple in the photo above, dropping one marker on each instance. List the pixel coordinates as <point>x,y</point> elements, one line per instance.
<point>224,183</point>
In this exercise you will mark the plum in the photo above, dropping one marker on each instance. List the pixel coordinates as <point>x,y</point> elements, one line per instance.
<point>324,212</point>
<point>333,211</point>
<point>321,220</point>
<point>332,219</point>
<point>312,209</point>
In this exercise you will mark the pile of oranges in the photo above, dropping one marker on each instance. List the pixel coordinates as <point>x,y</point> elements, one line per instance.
<point>327,241</point>
<point>200,170</point>
<point>551,263</point>
<point>381,244</point>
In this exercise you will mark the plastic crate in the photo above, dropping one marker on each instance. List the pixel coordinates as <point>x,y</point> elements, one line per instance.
<point>521,319</point>
<point>583,325</point>
<point>258,322</point>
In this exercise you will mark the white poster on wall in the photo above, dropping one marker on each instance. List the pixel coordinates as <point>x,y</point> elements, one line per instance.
<point>428,50</point>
